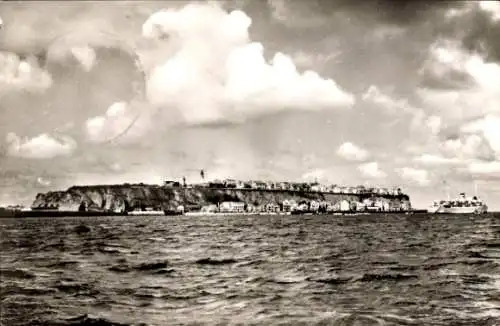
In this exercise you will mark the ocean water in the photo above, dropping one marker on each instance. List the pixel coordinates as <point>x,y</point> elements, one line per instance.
<point>251,270</point>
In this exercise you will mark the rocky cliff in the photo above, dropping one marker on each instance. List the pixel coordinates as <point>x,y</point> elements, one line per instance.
<point>127,197</point>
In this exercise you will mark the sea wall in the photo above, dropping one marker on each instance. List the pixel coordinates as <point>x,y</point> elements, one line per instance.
<point>127,197</point>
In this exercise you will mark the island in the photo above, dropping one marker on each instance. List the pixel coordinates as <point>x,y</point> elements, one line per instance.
<point>228,196</point>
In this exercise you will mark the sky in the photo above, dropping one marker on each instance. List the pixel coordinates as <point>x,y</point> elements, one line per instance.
<point>378,93</point>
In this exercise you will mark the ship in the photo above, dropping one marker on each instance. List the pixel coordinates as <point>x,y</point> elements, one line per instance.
<point>460,205</point>
<point>147,211</point>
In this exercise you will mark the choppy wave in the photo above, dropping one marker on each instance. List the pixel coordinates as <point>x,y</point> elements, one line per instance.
<point>279,270</point>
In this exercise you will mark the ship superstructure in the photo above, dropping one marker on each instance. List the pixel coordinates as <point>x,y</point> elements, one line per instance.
<point>460,205</point>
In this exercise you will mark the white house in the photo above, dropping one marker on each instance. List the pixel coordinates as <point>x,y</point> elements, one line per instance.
<point>368,202</point>
<point>314,205</point>
<point>406,205</point>
<point>345,206</point>
<point>232,207</point>
<point>360,206</point>
<point>272,208</point>
<point>302,207</point>
<point>209,209</point>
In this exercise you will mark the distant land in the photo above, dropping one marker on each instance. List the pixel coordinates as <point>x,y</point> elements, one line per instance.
<point>218,196</point>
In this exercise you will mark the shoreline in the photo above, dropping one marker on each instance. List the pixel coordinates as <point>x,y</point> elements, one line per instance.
<point>57,214</point>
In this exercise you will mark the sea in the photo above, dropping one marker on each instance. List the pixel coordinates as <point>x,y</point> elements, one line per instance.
<point>251,270</point>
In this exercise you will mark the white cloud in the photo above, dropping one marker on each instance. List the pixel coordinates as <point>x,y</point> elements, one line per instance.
<point>484,168</point>
<point>489,127</point>
<point>491,6</point>
<point>22,74</point>
<point>383,33</point>
<point>296,14</point>
<point>42,146</point>
<point>467,147</point>
<point>374,95</point>
<point>116,167</point>
<point>213,72</point>
<point>419,120</point>
<point>434,124</point>
<point>434,160</point>
<point>314,174</point>
<point>371,170</point>
<point>461,104</point>
<point>419,176</point>
<point>474,110</point>
<point>351,152</point>
<point>85,55</point>
<point>43,182</point>
<point>119,119</point>
<point>82,40</point>
<point>425,124</point>
<point>456,153</point>
<point>304,59</point>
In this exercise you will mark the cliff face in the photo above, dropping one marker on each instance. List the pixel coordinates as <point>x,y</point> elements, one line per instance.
<point>126,197</point>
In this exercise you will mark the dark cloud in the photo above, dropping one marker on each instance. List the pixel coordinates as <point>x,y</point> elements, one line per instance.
<point>483,35</point>
<point>449,80</point>
<point>402,12</point>
<point>475,28</point>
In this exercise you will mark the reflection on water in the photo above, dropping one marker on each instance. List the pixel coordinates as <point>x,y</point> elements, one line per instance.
<point>361,270</point>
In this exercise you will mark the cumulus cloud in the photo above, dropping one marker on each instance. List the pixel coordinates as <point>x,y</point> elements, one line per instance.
<point>419,120</point>
<point>425,124</point>
<point>305,59</point>
<point>482,94</point>
<point>464,153</point>
<point>43,182</point>
<point>314,174</point>
<point>374,95</point>
<point>371,170</point>
<point>83,40</point>
<point>491,6</point>
<point>436,160</point>
<point>18,73</point>
<point>85,55</point>
<point>473,142</point>
<point>296,14</point>
<point>118,120</point>
<point>212,71</point>
<point>467,147</point>
<point>434,123</point>
<point>352,152</point>
<point>418,176</point>
<point>42,146</point>
<point>489,128</point>
<point>484,168</point>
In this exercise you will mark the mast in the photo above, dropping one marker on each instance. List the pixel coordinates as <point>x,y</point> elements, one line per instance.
<point>475,188</point>
<point>447,190</point>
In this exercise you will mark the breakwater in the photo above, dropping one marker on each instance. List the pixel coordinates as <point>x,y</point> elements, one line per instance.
<point>127,197</point>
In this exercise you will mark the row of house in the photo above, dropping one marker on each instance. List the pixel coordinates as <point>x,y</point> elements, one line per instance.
<point>366,205</point>
<point>291,186</point>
